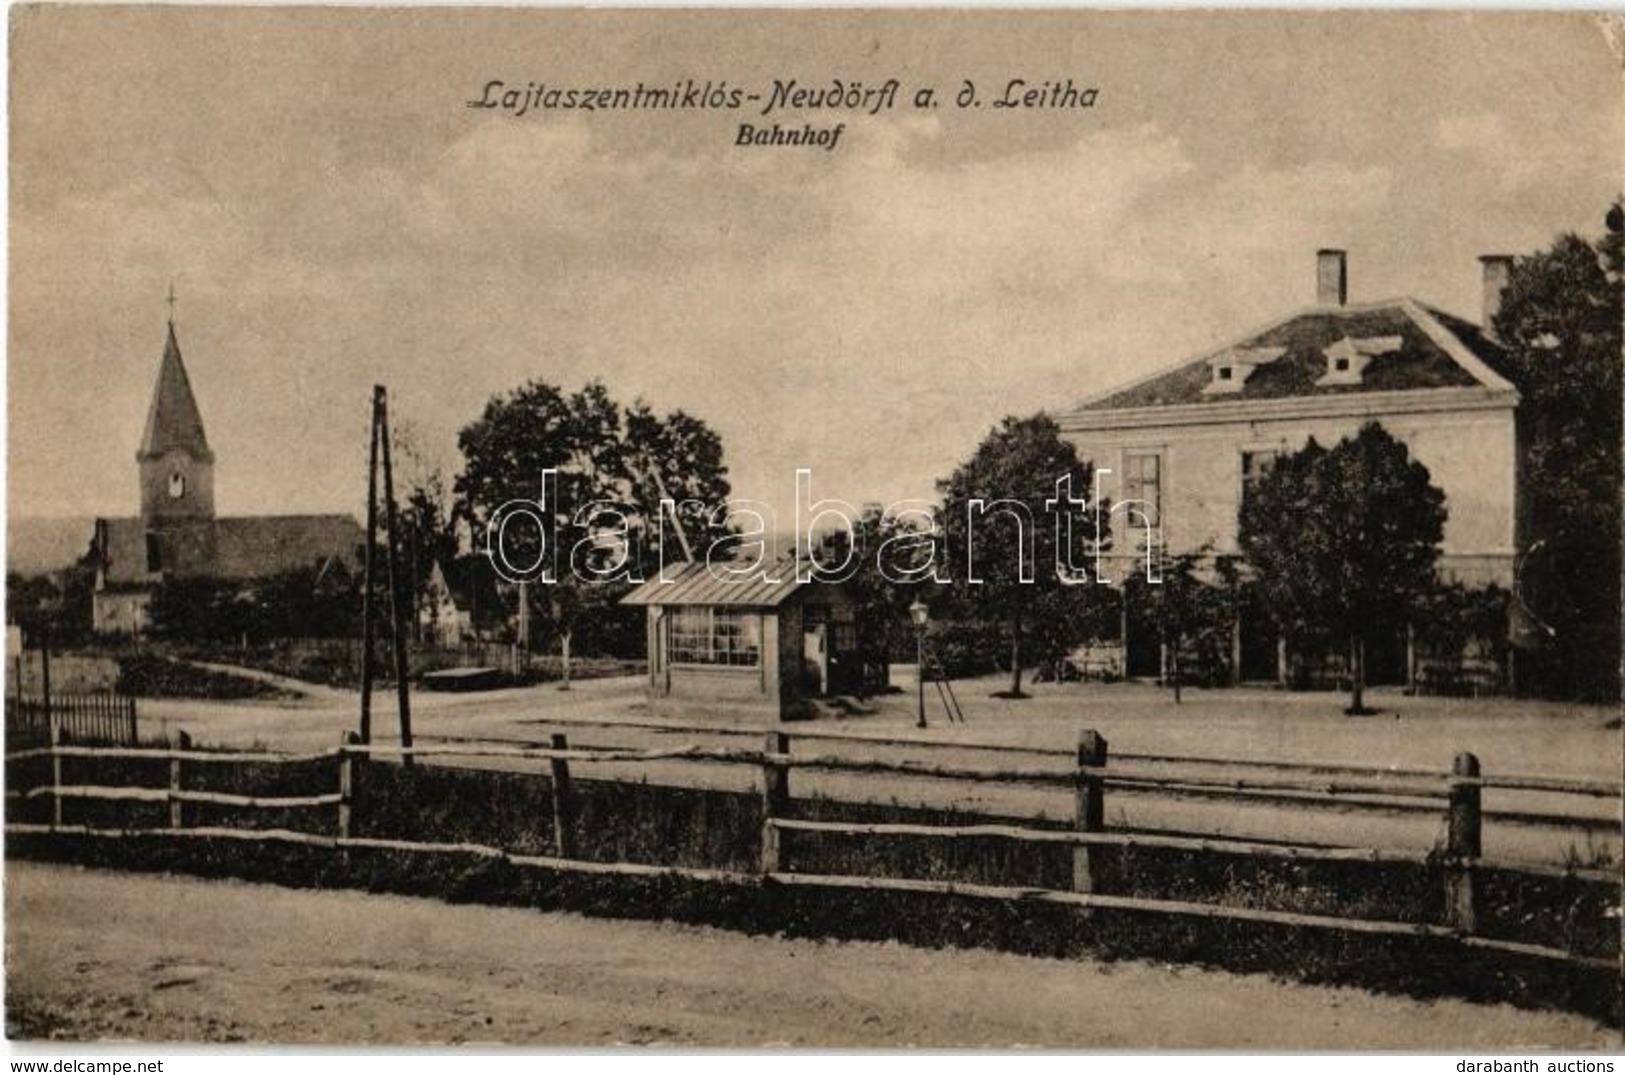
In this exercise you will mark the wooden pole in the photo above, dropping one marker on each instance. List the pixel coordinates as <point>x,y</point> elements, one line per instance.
<point>1090,814</point>
<point>1464,843</point>
<point>346,783</point>
<point>402,686</point>
<point>367,572</point>
<point>180,741</point>
<point>564,830</point>
<point>775,798</point>
<point>54,731</point>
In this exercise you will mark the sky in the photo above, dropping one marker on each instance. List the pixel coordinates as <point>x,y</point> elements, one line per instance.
<point>332,215</point>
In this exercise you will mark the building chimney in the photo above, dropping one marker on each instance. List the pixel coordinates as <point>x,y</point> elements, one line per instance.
<point>1497,271</point>
<point>1332,277</point>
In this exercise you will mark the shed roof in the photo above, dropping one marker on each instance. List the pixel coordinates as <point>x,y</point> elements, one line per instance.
<point>698,584</point>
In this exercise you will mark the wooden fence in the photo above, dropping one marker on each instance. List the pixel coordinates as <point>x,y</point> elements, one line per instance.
<point>1091,772</point>
<point>107,718</point>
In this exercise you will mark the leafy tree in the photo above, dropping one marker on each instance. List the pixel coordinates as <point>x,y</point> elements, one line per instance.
<point>677,457</point>
<point>507,452</point>
<point>1343,540</point>
<point>601,454</point>
<point>318,601</point>
<point>882,612</point>
<point>428,520</point>
<point>1004,573</point>
<point>1560,322</point>
<point>201,609</point>
<point>1456,622</point>
<point>1194,618</point>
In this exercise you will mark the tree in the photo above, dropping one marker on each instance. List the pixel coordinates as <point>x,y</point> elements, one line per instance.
<point>428,520</point>
<point>601,455</point>
<point>1560,321</point>
<point>1344,540</point>
<point>1193,618</point>
<point>1002,553</point>
<point>882,601</point>
<point>677,457</point>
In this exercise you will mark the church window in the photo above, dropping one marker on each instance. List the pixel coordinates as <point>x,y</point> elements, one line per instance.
<point>155,553</point>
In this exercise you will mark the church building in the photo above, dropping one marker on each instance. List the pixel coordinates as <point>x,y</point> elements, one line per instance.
<point>178,535</point>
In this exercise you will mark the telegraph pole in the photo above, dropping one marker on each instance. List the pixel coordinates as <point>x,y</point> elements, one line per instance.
<point>398,627</point>
<point>367,572</point>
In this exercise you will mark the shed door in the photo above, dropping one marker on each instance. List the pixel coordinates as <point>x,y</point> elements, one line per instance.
<point>815,657</point>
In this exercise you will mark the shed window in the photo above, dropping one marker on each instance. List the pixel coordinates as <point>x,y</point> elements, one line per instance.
<point>714,636</point>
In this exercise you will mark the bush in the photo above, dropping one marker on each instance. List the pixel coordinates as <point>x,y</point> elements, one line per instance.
<point>963,649</point>
<point>149,676</point>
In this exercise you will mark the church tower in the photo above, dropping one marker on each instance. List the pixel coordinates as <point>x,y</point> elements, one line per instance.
<point>177,467</point>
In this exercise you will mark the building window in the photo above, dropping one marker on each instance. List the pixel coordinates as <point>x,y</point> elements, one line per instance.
<point>155,552</point>
<point>1142,481</point>
<point>1254,466</point>
<point>1226,372</point>
<point>714,636</point>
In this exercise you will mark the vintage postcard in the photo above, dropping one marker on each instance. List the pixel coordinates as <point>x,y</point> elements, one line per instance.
<point>844,528</point>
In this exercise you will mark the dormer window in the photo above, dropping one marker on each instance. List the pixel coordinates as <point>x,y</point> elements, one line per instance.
<point>1347,359</point>
<point>1232,368</point>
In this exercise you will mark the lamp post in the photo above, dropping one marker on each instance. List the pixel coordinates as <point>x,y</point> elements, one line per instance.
<point>920,616</point>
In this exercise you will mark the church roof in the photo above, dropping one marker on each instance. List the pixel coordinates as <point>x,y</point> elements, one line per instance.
<point>174,422</point>
<point>1403,344</point>
<point>236,547</point>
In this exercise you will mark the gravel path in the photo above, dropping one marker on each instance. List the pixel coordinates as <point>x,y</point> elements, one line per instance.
<point>94,954</point>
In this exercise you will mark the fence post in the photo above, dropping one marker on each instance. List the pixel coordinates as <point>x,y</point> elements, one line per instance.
<point>54,734</point>
<point>564,829</point>
<point>775,797</point>
<point>346,781</point>
<point>1464,842</point>
<point>1090,815</point>
<point>129,702</point>
<point>180,741</point>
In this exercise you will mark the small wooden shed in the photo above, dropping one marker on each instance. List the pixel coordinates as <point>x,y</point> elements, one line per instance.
<point>727,645</point>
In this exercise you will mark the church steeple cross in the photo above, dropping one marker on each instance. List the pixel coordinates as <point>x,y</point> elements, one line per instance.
<point>171,301</point>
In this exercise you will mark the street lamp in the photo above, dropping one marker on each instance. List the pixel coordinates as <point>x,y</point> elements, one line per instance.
<point>920,615</point>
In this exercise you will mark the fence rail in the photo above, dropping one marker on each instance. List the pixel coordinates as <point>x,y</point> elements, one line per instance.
<point>1408,791</point>
<point>1457,796</point>
<point>1505,781</point>
<point>107,717</point>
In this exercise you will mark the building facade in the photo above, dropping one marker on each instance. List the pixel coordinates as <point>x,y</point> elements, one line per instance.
<point>1186,442</point>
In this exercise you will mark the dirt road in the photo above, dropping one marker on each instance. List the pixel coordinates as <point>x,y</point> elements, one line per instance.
<point>106,955</point>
